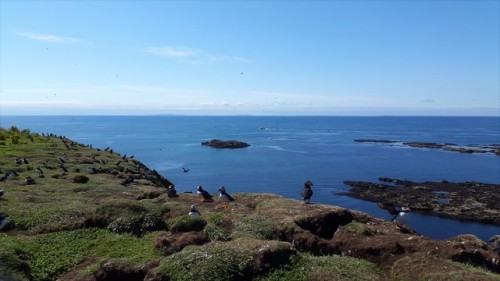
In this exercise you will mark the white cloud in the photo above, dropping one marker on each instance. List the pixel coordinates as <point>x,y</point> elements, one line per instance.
<point>309,100</point>
<point>51,38</point>
<point>192,55</point>
<point>174,52</point>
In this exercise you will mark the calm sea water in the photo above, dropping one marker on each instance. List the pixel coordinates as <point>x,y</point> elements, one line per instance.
<point>286,151</point>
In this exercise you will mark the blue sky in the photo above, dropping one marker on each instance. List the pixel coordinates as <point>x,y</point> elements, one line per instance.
<point>250,57</point>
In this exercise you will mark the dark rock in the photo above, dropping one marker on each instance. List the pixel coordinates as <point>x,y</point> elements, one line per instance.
<point>119,270</point>
<point>215,143</point>
<point>495,243</point>
<point>170,244</point>
<point>80,179</point>
<point>375,141</point>
<point>466,201</point>
<point>492,148</point>
<point>325,226</point>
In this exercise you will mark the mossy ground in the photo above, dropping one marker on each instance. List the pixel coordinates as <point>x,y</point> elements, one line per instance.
<point>61,229</point>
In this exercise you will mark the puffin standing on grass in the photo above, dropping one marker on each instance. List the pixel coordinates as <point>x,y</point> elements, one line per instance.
<point>224,196</point>
<point>307,192</point>
<point>206,197</point>
<point>3,220</point>
<point>194,212</point>
<point>171,192</point>
<point>39,171</point>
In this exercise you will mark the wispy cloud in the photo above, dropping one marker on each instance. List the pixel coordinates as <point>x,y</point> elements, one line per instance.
<point>174,52</point>
<point>51,38</point>
<point>192,55</point>
<point>428,101</point>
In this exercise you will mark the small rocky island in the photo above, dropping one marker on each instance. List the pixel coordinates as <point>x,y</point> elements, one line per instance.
<point>470,148</point>
<point>215,143</point>
<point>472,201</point>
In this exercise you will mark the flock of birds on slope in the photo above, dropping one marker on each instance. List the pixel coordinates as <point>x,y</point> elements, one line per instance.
<point>226,198</point>
<point>64,163</point>
<point>129,180</point>
<point>399,216</point>
<point>205,196</point>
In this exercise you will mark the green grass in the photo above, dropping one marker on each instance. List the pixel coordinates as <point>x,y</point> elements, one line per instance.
<point>306,267</point>
<point>429,268</point>
<point>209,262</point>
<point>253,226</point>
<point>186,223</point>
<point>56,224</point>
<point>233,260</point>
<point>357,228</point>
<point>51,254</point>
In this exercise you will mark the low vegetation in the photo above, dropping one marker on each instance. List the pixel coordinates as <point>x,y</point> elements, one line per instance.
<point>93,214</point>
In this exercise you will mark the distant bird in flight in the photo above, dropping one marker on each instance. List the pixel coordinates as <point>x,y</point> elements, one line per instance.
<point>307,192</point>
<point>185,170</point>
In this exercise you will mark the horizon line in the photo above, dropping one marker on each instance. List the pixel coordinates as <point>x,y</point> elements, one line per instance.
<point>240,115</point>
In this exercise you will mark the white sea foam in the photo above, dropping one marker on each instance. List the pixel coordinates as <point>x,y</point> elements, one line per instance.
<point>167,165</point>
<point>279,148</point>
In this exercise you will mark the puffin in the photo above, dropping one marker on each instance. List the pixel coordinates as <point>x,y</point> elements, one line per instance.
<point>39,171</point>
<point>3,220</point>
<point>206,197</point>
<point>128,181</point>
<point>29,180</point>
<point>307,192</point>
<point>224,196</point>
<point>171,192</point>
<point>390,208</point>
<point>194,212</point>
<point>2,192</point>
<point>401,217</point>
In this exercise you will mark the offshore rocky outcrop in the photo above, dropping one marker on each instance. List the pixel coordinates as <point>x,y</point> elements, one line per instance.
<point>472,201</point>
<point>215,143</point>
<point>470,148</point>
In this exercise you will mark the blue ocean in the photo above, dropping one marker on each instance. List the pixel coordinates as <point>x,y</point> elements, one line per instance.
<point>286,151</point>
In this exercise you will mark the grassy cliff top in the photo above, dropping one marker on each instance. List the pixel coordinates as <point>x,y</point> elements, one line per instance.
<point>76,212</point>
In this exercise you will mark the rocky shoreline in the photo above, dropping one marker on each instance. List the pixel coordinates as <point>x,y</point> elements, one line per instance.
<point>470,148</point>
<point>473,201</point>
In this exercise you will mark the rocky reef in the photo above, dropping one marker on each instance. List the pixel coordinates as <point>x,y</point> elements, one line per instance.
<point>470,148</point>
<point>121,224</point>
<point>215,143</point>
<point>472,201</point>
